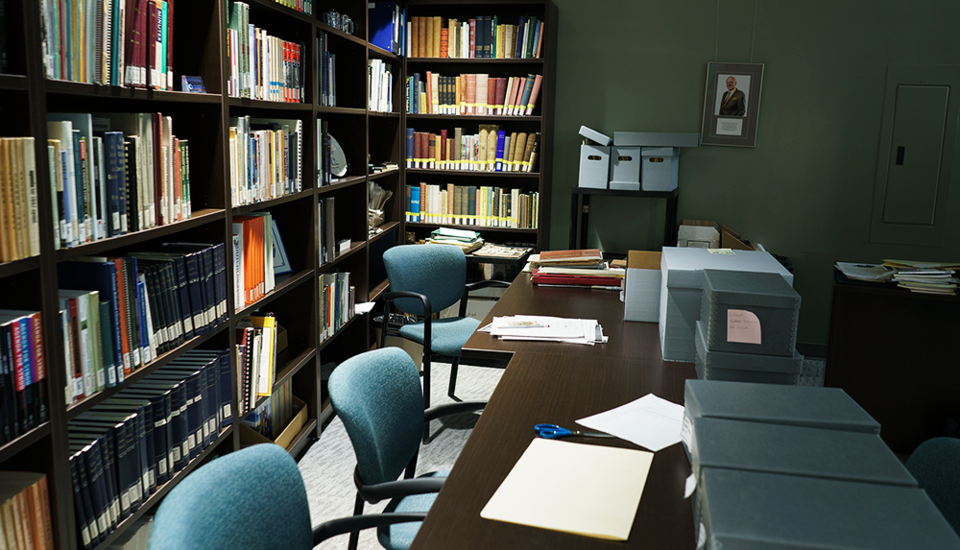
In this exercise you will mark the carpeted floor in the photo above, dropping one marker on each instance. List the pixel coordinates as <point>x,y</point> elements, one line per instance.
<point>327,466</point>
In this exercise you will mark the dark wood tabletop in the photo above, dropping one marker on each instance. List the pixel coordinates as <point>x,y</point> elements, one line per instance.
<point>559,383</point>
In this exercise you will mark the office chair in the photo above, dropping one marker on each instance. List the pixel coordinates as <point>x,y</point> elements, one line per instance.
<point>377,396</point>
<point>252,499</point>
<point>936,466</point>
<point>425,279</point>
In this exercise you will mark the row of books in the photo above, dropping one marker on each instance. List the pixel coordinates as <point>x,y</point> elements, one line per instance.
<point>380,86</point>
<point>326,76</point>
<point>23,373</point>
<point>19,215</point>
<point>254,276</point>
<point>272,415</point>
<point>304,6</point>
<point>482,37</point>
<point>115,173</point>
<point>472,94</point>
<point>136,537</point>
<point>472,205</point>
<point>266,159</point>
<point>123,449</point>
<point>118,314</point>
<point>109,42</point>
<point>25,512</point>
<point>489,150</point>
<point>256,360</point>
<point>262,66</point>
<point>337,302</point>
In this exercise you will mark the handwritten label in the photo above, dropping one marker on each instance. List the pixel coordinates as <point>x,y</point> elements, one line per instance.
<point>743,326</point>
<point>724,251</point>
<point>691,485</point>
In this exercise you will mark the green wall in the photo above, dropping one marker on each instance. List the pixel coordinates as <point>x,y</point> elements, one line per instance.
<point>806,190</point>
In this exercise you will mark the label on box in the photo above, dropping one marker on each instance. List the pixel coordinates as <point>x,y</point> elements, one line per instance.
<point>743,326</point>
<point>725,251</point>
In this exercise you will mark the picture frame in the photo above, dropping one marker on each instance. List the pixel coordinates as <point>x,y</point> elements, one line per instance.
<point>731,105</point>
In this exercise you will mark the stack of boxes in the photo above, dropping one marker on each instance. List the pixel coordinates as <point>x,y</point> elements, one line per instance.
<point>799,467</point>
<point>747,330</point>
<point>632,161</point>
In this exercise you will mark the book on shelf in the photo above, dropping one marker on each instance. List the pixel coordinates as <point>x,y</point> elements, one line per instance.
<point>25,511</point>
<point>326,72</point>
<point>384,26</point>
<point>19,213</point>
<point>337,302</point>
<point>325,229</point>
<point>380,86</point>
<point>472,94</point>
<point>456,150</point>
<point>262,66</point>
<point>253,266</point>
<point>23,374</point>
<point>266,159</point>
<point>481,37</point>
<point>485,206</point>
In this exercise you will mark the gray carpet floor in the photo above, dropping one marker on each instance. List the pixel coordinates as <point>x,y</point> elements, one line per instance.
<point>327,466</point>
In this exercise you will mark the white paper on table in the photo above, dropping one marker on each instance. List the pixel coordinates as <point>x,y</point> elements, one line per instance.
<point>573,487</point>
<point>651,422</point>
<point>550,327</point>
<point>365,307</point>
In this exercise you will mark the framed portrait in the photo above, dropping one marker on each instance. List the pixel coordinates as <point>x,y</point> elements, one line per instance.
<point>731,104</point>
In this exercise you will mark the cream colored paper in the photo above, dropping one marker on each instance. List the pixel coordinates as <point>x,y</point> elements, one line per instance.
<point>572,487</point>
<point>743,326</point>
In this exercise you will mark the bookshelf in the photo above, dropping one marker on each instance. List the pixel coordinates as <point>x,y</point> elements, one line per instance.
<point>201,47</point>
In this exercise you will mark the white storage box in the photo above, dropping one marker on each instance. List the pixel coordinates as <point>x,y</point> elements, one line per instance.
<point>681,288</point>
<point>641,288</point>
<point>661,168</point>
<point>594,166</point>
<point>625,168</point>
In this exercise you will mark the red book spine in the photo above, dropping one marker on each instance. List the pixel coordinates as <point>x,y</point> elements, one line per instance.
<point>424,150</point>
<point>501,94</point>
<point>17,356</point>
<point>153,31</point>
<point>473,38</point>
<point>122,306</point>
<point>75,343</point>
<point>532,102</point>
<point>38,346</point>
<point>443,149</point>
<point>491,94</point>
<point>417,152</point>
<point>169,44</point>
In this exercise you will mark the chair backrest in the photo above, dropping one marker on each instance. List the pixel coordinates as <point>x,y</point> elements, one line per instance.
<point>936,466</point>
<point>378,398</point>
<point>439,272</point>
<point>252,499</point>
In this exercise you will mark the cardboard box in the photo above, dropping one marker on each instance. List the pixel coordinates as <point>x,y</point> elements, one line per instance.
<point>681,289</point>
<point>641,288</point>
<point>698,234</point>
<point>249,436</point>
<point>413,349</point>
<point>733,240</point>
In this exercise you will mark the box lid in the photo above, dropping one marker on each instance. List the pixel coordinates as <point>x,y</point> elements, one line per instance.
<point>595,136</point>
<point>742,510</point>
<point>643,259</point>
<point>656,139</point>
<point>682,267</point>
<point>796,450</point>
<point>730,360</point>
<point>829,408</point>
<point>749,288</point>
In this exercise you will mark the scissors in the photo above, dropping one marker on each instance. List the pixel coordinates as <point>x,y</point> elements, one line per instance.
<point>552,431</point>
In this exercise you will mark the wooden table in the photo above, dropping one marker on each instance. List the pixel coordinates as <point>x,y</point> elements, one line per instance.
<point>559,383</point>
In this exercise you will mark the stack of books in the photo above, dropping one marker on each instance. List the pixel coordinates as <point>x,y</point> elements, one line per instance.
<point>25,508</point>
<point>584,268</point>
<point>924,277</point>
<point>467,240</point>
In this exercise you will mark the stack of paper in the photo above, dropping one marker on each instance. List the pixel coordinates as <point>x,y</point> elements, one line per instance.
<point>924,277</point>
<point>866,272</point>
<point>467,240</point>
<point>585,258</point>
<point>547,329</point>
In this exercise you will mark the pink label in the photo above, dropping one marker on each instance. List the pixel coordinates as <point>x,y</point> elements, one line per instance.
<point>743,326</point>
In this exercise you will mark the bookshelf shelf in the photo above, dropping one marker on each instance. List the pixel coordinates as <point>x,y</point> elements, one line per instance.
<point>283,10</point>
<point>342,183</point>
<point>24,441</point>
<point>393,114</point>
<point>340,34</point>
<point>87,403</point>
<point>476,173</point>
<point>293,366</point>
<point>284,284</point>
<point>340,111</point>
<point>383,174</point>
<point>340,257</point>
<point>199,218</point>
<point>333,336</point>
<point>378,291</point>
<point>13,82</point>
<point>305,194</point>
<point>300,441</point>
<point>478,228</point>
<point>19,266</point>
<point>387,227</point>
<point>248,103</point>
<point>473,61</point>
<point>480,118</point>
<point>384,54</point>
<point>64,87</point>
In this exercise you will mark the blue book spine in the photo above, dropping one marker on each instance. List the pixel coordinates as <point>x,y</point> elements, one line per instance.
<point>415,203</point>
<point>410,134</point>
<point>518,52</point>
<point>226,391</point>
<point>182,288</point>
<point>536,39</point>
<point>501,136</point>
<point>142,308</point>
<point>106,342</point>
<point>79,168</point>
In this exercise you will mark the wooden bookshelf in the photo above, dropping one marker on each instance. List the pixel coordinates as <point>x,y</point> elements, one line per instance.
<point>201,49</point>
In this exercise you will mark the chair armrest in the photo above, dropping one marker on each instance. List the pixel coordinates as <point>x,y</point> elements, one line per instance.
<point>342,526</point>
<point>484,284</point>
<point>452,408</point>
<point>400,488</point>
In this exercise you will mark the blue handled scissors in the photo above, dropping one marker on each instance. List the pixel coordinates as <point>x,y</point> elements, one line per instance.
<point>552,431</point>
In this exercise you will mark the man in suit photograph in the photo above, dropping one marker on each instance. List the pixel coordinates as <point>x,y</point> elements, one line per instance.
<point>733,102</point>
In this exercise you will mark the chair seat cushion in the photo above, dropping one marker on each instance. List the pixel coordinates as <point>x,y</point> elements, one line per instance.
<point>449,335</point>
<point>400,536</point>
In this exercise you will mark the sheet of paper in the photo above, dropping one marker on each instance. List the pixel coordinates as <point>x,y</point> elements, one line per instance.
<point>365,307</point>
<point>651,422</point>
<point>573,487</point>
<point>743,326</point>
<point>542,327</point>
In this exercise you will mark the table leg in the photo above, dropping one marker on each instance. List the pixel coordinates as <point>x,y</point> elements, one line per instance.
<point>670,223</point>
<point>584,216</point>
<point>574,219</point>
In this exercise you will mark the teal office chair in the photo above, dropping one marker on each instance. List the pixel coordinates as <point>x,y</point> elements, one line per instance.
<point>936,466</point>
<point>378,398</point>
<point>425,279</point>
<point>253,499</point>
